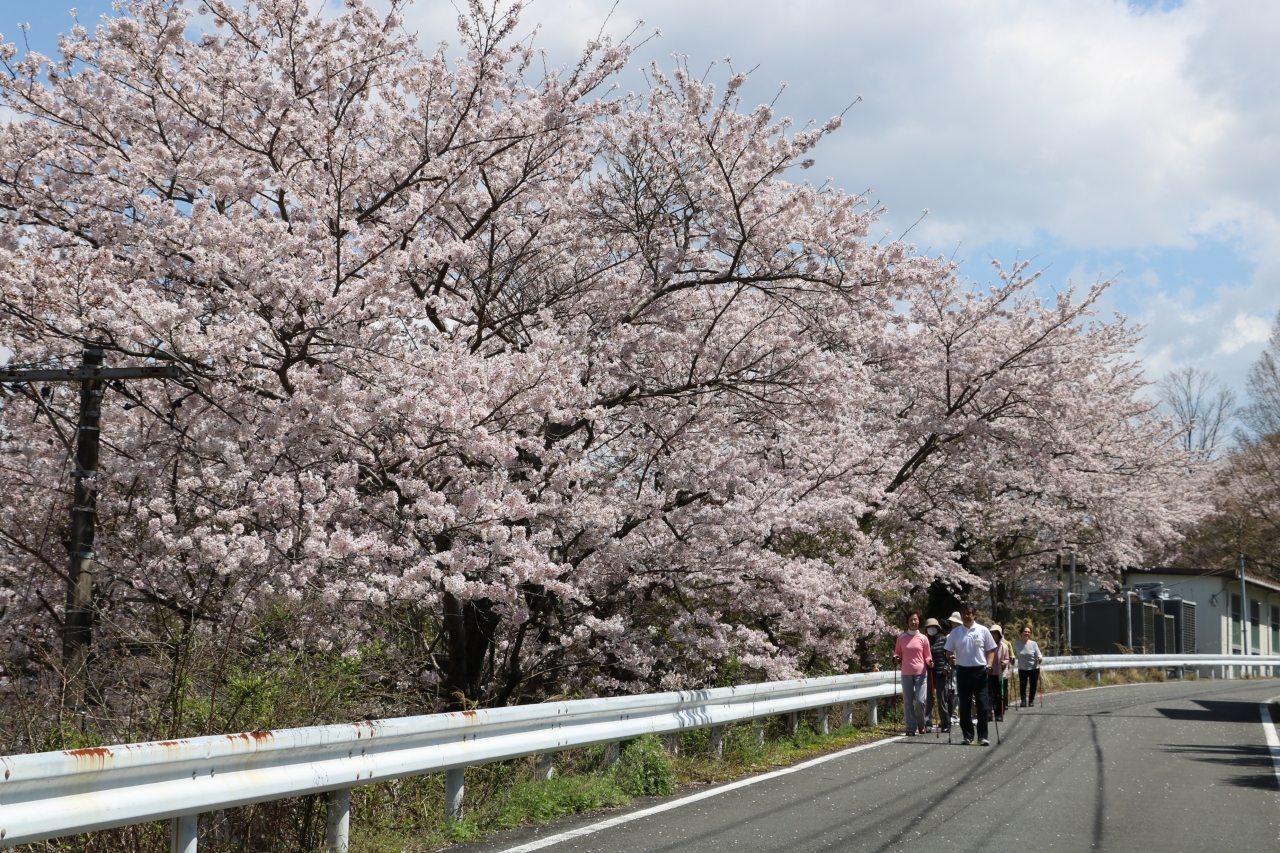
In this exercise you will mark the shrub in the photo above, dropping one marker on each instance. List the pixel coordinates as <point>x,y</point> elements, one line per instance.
<point>644,768</point>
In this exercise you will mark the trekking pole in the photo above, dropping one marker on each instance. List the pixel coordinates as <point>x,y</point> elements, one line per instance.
<point>949,708</point>
<point>894,703</point>
<point>933,691</point>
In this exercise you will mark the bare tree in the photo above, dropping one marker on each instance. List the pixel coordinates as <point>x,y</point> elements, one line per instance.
<point>1199,407</point>
<point>1262,415</point>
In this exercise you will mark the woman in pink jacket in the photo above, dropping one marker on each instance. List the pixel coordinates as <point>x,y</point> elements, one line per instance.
<point>913,651</point>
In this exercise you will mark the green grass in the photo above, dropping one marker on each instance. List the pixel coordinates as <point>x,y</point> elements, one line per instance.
<point>408,815</point>
<point>744,755</point>
<point>1056,682</point>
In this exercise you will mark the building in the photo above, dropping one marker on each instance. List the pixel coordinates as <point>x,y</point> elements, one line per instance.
<point>1218,606</point>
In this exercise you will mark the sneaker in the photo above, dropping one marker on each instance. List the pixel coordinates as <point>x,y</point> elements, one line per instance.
<point>911,734</point>
<point>986,742</point>
<point>967,742</point>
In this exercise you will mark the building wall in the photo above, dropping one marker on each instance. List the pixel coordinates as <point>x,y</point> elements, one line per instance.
<point>1212,597</point>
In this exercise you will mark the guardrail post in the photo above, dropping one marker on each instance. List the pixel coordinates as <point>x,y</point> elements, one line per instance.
<point>454,788</point>
<point>612,752</point>
<point>793,722</point>
<point>338,833</point>
<point>182,833</point>
<point>873,712</point>
<point>672,742</point>
<point>758,725</point>
<point>544,766</point>
<point>716,741</point>
<point>846,714</point>
<point>824,714</point>
<point>219,828</point>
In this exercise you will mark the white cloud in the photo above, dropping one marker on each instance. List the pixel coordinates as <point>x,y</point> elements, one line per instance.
<point>1091,125</point>
<point>1107,125</point>
<point>1245,329</point>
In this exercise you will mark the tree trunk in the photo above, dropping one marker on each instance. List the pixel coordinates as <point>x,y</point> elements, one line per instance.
<point>469,629</point>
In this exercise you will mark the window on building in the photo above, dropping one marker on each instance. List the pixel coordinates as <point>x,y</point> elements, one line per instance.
<point>1275,630</point>
<point>1235,621</point>
<point>1255,626</point>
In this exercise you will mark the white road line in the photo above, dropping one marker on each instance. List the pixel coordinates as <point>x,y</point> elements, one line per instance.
<point>1273,740</point>
<point>692,798</point>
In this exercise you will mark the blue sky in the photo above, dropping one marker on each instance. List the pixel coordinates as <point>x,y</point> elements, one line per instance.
<point>1128,141</point>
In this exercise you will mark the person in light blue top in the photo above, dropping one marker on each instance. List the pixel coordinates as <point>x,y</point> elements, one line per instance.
<point>971,649</point>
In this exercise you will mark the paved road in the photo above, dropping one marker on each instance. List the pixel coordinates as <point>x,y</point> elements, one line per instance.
<point>1160,767</point>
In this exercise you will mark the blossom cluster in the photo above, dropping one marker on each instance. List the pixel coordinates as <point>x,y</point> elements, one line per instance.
<point>586,379</point>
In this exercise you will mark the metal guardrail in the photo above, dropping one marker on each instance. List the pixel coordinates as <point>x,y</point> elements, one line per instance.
<point>1090,662</point>
<point>53,794</point>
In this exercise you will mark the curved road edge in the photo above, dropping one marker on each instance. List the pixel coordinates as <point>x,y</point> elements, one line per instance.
<point>1273,740</point>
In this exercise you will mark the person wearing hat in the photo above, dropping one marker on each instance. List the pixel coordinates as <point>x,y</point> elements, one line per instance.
<point>940,678</point>
<point>971,650</point>
<point>999,671</point>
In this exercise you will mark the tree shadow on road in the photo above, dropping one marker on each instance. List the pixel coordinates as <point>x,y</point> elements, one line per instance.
<point>1216,711</point>
<point>1256,758</point>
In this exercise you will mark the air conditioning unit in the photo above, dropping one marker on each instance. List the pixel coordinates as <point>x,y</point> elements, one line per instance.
<point>1184,623</point>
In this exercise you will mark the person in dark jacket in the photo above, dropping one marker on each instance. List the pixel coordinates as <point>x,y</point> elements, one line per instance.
<point>940,684</point>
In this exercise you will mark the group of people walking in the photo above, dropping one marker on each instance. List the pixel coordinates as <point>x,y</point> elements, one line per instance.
<point>968,663</point>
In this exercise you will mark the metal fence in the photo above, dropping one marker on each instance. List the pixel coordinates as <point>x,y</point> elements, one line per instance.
<point>53,794</point>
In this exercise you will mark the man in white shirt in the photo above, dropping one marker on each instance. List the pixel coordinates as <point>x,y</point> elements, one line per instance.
<point>972,650</point>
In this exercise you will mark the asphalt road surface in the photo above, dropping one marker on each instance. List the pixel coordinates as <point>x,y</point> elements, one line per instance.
<point>1179,766</point>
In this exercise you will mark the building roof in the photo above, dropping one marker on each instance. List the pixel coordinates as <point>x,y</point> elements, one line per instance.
<point>1185,571</point>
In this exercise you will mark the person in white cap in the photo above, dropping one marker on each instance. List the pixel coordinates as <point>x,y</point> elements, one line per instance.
<point>999,672</point>
<point>939,678</point>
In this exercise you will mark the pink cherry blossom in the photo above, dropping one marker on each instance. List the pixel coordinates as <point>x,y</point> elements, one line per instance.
<point>581,379</point>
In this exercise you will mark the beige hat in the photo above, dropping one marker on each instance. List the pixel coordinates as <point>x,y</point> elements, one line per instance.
<point>955,617</point>
<point>931,623</point>
<point>996,629</point>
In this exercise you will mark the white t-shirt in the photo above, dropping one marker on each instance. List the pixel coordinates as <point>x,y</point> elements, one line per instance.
<point>970,645</point>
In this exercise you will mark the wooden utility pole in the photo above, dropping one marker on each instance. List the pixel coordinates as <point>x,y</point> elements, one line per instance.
<point>77,626</point>
<point>77,630</point>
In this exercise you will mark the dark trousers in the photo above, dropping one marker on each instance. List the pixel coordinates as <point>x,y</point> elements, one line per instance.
<point>1028,677</point>
<point>996,690</point>
<point>971,684</point>
<point>941,692</point>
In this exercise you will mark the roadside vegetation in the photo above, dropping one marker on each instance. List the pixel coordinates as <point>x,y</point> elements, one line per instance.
<point>1057,682</point>
<point>409,815</point>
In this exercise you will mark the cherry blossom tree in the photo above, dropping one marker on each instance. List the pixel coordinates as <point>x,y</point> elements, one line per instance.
<point>1017,431</point>
<point>577,389</point>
